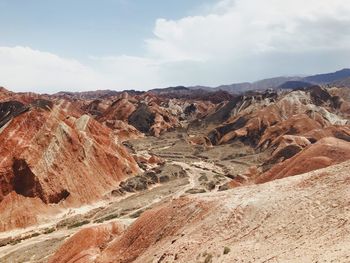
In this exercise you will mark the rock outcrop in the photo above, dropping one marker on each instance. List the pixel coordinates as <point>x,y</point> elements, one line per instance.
<point>289,220</point>
<point>263,121</point>
<point>326,152</point>
<point>179,178</point>
<point>53,153</point>
<point>148,113</point>
<point>87,244</point>
<point>18,211</point>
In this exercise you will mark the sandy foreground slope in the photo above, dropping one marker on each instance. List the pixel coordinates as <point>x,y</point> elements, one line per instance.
<point>304,218</point>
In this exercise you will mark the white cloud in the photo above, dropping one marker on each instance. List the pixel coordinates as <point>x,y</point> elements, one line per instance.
<point>245,37</point>
<point>25,69</point>
<point>129,72</point>
<point>233,40</point>
<point>248,27</point>
<point>22,68</point>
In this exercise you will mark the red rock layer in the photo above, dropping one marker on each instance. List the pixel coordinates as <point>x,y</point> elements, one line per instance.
<point>340,132</point>
<point>295,125</point>
<point>87,244</point>
<point>58,154</point>
<point>24,97</point>
<point>326,152</point>
<point>148,113</point>
<point>308,213</point>
<point>120,109</point>
<point>152,227</point>
<point>123,130</point>
<point>17,211</point>
<point>261,122</point>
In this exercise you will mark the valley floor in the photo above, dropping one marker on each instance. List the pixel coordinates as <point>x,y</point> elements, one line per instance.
<point>298,219</point>
<point>205,171</point>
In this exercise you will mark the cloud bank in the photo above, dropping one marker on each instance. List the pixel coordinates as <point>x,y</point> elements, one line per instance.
<point>231,41</point>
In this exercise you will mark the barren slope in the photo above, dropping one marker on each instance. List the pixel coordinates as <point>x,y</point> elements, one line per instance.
<point>137,178</point>
<point>297,219</point>
<point>51,154</point>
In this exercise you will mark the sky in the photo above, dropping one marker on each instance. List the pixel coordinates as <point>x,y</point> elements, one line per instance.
<point>80,45</point>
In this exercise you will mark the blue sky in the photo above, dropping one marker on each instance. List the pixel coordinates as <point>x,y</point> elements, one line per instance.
<point>80,28</point>
<point>48,46</point>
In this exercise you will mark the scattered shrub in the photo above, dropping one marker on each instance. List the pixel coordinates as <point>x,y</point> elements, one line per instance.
<point>49,230</point>
<point>78,224</point>
<point>208,258</point>
<point>226,250</point>
<point>106,218</point>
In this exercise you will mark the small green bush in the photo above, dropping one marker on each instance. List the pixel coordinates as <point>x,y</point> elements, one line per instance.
<point>106,218</point>
<point>49,230</point>
<point>78,224</point>
<point>209,258</point>
<point>226,250</point>
<point>15,242</point>
<point>34,235</point>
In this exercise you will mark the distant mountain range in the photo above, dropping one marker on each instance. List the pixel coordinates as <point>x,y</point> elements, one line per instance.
<point>338,78</point>
<point>295,84</point>
<point>329,77</point>
<point>342,83</point>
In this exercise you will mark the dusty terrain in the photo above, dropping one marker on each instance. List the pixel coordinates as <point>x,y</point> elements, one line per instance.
<point>288,220</point>
<point>126,177</point>
<point>200,176</point>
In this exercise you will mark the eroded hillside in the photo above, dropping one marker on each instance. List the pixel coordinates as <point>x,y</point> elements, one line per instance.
<point>185,177</point>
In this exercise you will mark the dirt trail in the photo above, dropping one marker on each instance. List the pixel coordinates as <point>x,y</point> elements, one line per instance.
<point>204,174</point>
<point>297,219</point>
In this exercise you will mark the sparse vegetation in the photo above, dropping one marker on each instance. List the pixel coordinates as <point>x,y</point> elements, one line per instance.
<point>34,235</point>
<point>226,250</point>
<point>107,218</point>
<point>49,230</point>
<point>138,213</point>
<point>195,191</point>
<point>208,258</point>
<point>15,242</point>
<point>5,241</point>
<point>78,224</point>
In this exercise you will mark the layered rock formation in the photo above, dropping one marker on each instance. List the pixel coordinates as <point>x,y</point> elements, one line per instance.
<point>296,112</point>
<point>147,113</point>
<point>326,152</point>
<point>52,153</point>
<point>17,211</point>
<point>309,123</point>
<point>85,245</point>
<point>288,220</point>
<point>170,161</point>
